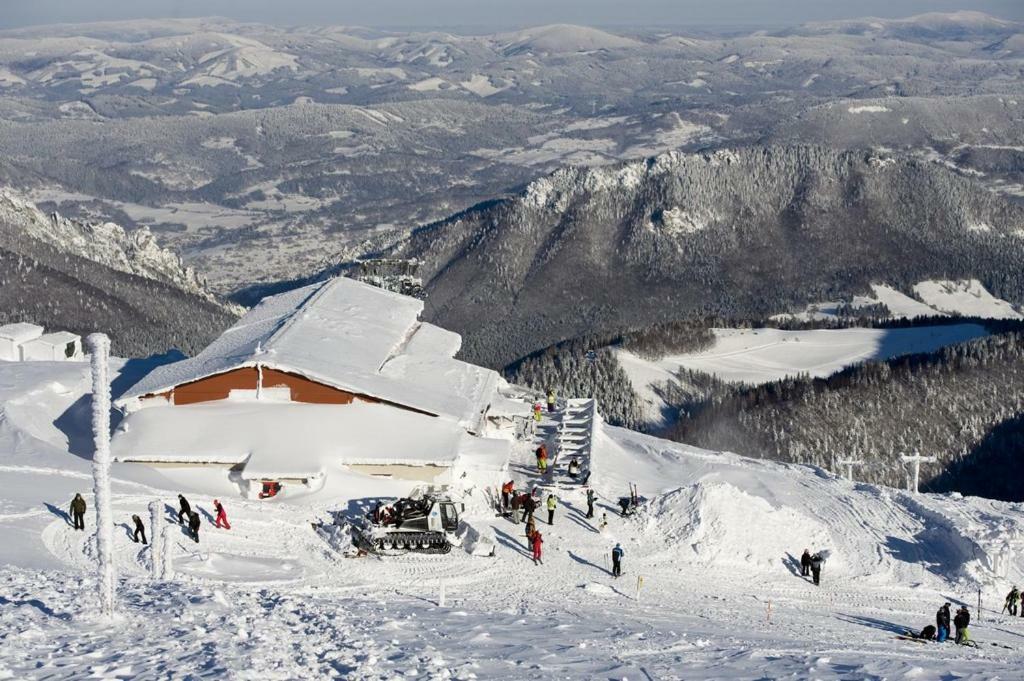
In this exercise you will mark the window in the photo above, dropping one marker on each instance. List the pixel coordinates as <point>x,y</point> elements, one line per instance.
<point>69,349</point>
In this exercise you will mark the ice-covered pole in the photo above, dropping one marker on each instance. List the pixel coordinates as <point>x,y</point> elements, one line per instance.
<point>99,346</point>
<point>156,540</point>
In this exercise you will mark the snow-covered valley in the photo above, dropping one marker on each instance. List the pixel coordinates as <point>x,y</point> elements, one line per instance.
<point>710,588</point>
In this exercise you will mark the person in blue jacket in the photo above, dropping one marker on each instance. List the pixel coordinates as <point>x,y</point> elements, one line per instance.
<point>617,554</point>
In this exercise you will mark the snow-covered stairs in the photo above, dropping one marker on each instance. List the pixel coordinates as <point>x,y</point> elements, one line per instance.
<point>575,435</point>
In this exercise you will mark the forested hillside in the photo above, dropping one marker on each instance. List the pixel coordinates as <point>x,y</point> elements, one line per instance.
<point>962,404</point>
<point>743,234</point>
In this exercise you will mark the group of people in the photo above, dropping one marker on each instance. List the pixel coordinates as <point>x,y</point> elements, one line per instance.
<point>552,405</point>
<point>942,629</point>
<point>810,565</point>
<point>1012,599</point>
<point>185,515</point>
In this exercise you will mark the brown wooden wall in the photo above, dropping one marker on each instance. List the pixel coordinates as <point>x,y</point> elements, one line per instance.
<point>216,387</point>
<point>305,390</point>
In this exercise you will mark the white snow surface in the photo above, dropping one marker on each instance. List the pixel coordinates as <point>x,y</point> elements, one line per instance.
<point>715,545</point>
<point>755,356</point>
<point>349,335</point>
<point>965,297</point>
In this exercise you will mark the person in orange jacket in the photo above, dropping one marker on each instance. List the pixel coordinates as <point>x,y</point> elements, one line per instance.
<point>506,494</point>
<point>222,516</point>
<point>537,541</point>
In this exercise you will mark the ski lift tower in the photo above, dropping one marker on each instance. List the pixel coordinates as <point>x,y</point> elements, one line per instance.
<point>917,459</point>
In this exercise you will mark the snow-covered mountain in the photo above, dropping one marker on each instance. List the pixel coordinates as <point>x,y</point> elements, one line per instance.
<point>135,252</point>
<point>242,144</point>
<point>740,233</point>
<point>82,277</point>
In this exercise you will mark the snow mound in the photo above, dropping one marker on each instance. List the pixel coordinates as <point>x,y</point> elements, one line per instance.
<point>596,589</point>
<point>237,568</point>
<point>716,523</point>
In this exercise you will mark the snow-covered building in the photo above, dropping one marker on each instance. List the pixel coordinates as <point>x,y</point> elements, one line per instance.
<point>339,373</point>
<point>13,336</point>
<point>59,346</point>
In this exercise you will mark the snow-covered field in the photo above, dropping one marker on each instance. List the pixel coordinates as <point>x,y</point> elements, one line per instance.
<point>755,356</point>
<point>710,590</point>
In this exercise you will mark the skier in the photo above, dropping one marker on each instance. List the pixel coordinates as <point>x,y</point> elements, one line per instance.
<point>574,468</point>
<point>590,502</point>
<point>961,622</point>
<point>942,623</point>
<point>617,554</point>
<point>78,512</point>
<point>222,516</point>
<point>551,400</point>
<point>805,563</point>
<point>186,509</point>
<point>536,543</point>
<point>531,529</point>
<point>552,505</point>
<point>927,634</point>
<point>1012,599</point>
<point>140,529</point>
<point>529,506</point>
<point>193,525</point>
<point>816,563</point>
<point>506,492</point>
<point>537,412</point>
<point>542,458</point>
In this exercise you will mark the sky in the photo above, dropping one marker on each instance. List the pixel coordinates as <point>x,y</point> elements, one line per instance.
<point>492,13</point>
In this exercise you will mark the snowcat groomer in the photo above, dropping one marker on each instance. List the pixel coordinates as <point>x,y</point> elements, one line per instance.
<point>423,524</point>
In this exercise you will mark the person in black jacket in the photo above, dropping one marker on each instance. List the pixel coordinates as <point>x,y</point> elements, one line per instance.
<point>816,563</point>
<point>805,563</point>
<point>193,526</point>
<point>78,512</point>
<point>942,623</point>
<point>961,621</point>
<point>140,529</point>
<point>186,509</point>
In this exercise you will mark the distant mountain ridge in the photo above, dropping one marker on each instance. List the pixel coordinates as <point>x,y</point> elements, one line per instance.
<point>741,233</point>
<point>65,274</point>
<point>135,252</point>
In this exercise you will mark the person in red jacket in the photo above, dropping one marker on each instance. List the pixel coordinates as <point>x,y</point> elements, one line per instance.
<point>222,516</point>
<point>537,540</point>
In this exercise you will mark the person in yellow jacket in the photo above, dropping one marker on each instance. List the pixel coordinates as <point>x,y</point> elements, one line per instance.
<point>552,505</point>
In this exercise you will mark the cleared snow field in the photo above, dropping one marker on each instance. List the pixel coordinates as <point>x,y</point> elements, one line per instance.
<point>757,356</point>
<point>715,547</point>
<point>965,297</point>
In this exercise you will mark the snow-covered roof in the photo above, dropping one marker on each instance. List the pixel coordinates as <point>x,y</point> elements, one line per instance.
<point>57,338</point>
<point>20,332</point>
<point>348,335</point>
<point>275,440</point>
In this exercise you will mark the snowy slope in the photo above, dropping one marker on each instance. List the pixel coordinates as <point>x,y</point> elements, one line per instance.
<point>966,298</point>
<point>714,545</point>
